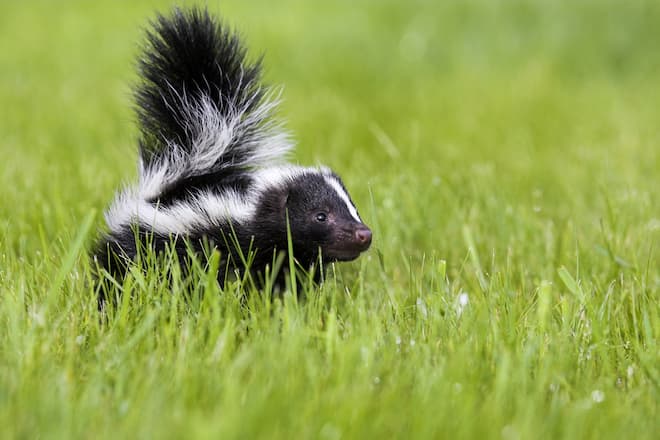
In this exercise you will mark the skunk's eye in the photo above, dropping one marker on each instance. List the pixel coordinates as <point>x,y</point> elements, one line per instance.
<point>321,217</point>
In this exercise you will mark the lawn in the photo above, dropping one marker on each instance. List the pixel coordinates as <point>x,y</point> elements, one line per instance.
<point>505,153</point>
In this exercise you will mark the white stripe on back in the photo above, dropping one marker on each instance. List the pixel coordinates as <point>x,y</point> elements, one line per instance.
<point>206,209</point>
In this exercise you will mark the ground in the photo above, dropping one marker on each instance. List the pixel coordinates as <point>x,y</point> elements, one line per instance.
<point>505,154</point>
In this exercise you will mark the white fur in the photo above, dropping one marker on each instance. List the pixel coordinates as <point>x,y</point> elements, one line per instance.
<point>264,141</point>
<point>207,209</point>
<point>334,183</point>
<point>266,178</point>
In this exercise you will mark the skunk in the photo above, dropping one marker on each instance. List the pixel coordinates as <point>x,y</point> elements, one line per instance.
<point>210,166</point>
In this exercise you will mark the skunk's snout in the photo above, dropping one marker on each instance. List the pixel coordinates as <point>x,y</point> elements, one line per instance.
<point>363,236</point>
<point>348,242</point>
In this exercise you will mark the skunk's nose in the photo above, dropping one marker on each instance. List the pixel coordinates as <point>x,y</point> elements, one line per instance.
<point>363,236</point>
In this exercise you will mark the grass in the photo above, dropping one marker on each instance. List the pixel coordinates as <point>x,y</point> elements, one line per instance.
<point>505,154</point>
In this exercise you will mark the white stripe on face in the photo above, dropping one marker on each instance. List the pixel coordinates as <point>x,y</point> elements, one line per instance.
<point>342,195</point>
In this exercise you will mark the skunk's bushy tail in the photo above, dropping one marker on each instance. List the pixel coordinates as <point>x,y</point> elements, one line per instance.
<point>202,111</point>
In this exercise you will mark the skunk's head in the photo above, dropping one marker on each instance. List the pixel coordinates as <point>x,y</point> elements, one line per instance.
<point>322,216</point>
<point>320,213</point>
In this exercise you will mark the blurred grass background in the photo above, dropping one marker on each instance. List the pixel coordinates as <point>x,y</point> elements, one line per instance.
<point>503,140</point>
